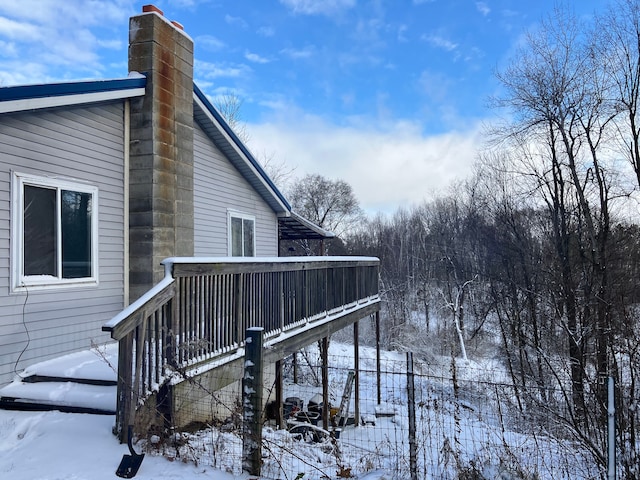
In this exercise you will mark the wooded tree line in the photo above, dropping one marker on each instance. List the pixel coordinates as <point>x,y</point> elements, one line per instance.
<point>538,253</point>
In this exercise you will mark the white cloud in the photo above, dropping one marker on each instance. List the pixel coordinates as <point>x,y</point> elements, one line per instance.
<point>440,42</point>
<point>110,43</point>
<point>483,8</point>
<point>208,70</point>
<point>435,86</point>
<point>8,49</point>
<point>209,42</point>
<point>64,39</point>
<point>237,21</point>
<point>19,30</point>
<point>315,7</point>
<point>298,53</point>
<point>255,58</point>
<point>266,31</point>
<point>70,13</point>
<point>189,4</point>
<point>388,166</point>
<point>402,29</point>
<point>18,72</point>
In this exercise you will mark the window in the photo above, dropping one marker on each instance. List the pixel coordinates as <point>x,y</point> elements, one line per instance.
<point>241,235</point>
<point>54,232</point>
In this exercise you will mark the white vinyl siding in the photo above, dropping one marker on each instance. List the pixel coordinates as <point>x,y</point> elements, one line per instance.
<point>82,145</point>
<point>218,189</point>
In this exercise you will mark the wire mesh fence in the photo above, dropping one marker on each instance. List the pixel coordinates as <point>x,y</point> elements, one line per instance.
<point>468,425</point>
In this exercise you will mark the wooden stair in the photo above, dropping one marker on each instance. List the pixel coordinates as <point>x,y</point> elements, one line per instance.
<point>82,382</point>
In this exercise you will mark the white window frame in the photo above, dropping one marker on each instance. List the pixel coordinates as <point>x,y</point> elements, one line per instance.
<point>20,281</point>
<point>243,216</point>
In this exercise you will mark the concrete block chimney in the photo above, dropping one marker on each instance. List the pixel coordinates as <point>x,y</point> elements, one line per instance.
<point>161,148</point>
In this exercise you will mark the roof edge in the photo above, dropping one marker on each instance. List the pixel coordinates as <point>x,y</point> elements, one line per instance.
<point>240,145</point>
<point>21,92</point>
<point>311,226</point>
<point>29,97</point>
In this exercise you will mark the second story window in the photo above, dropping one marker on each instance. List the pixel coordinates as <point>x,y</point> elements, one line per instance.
<point>241,235</point>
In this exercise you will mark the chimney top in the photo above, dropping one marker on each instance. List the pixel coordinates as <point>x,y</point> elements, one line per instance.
<point>152,8</point>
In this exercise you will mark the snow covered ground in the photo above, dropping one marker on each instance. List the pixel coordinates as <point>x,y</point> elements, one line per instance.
<point>454,433</point>
<point>70,446</point>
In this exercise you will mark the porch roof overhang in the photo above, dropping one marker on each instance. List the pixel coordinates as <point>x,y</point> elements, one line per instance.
<point>296,227</point>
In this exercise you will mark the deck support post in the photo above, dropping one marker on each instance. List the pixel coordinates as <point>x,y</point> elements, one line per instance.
<point>324,354</point>
<point>252,401</point>
<point>124,390</point>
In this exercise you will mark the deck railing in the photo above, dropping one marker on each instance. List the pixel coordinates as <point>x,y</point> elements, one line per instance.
<point>201,309</point>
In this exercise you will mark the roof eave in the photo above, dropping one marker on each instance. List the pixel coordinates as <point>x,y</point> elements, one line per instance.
<point>32,97</point>
<point>277,198</point>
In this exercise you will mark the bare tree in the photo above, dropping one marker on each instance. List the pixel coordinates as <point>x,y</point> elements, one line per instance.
<point>330,204</point>
<point>560,94</point>
<point>278,171</point>
<point>229,105</point>
<point>616,45</point>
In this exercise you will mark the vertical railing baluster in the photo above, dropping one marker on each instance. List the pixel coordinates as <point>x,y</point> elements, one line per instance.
<point>280,294</point>
<point>237,306</point>
<point>215,326</point>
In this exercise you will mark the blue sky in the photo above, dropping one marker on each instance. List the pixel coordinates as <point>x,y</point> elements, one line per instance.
<point>390,96</point>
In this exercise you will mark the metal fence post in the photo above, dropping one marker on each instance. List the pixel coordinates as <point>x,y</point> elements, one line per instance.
<point>611,432</point>
<point>411,393</point>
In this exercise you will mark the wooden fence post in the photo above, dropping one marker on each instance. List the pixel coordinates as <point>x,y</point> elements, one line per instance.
<point>252,401</point>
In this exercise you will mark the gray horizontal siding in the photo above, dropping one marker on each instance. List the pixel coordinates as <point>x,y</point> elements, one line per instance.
<point>218,186</point>
<point>84,143</point>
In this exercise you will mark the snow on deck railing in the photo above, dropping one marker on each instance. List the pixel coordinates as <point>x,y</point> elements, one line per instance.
<point>140,302</point>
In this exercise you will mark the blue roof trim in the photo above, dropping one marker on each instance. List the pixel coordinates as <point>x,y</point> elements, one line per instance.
<point>220,119</point>
<point>23,92</point>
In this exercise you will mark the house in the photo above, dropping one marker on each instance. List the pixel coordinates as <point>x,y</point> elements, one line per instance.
<point>122,206</point>
<point>102,180</point>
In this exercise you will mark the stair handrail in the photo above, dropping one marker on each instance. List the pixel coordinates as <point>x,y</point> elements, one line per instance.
<point>122,323</point>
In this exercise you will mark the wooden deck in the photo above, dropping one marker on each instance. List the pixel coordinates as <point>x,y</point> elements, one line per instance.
<point>198,315</point>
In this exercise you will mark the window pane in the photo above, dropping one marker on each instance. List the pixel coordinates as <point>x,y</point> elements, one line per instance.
<point>236,237</point>
<point>76,234</point>
<point>248,238</point>
<point>39,231</point>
